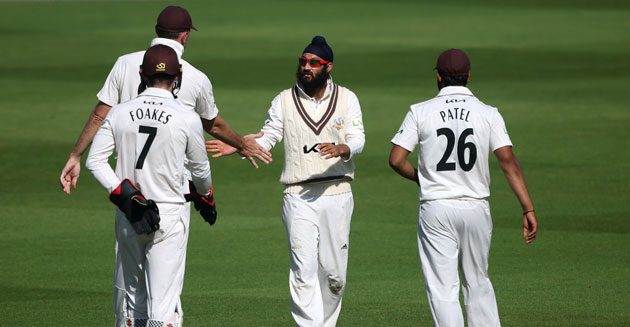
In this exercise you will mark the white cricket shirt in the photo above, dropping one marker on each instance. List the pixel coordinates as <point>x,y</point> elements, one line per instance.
<point>152,135</point>
<point>455,133</point>
<point>123,81</point>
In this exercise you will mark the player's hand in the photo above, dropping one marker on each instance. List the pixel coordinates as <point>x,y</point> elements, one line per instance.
<point>70,174</point>
<point>219,148</point>
<point>205,204</point>
<point>530,227</point>
<point>143,214</point>
<point>251,149</point>
<point>329,150</point>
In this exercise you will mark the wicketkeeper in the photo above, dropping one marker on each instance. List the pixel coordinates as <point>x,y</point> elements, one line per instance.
<point>152,135</point>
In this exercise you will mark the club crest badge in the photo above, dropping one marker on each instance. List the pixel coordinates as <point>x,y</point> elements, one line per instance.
<point>161,67</point>
<point>338,123</point>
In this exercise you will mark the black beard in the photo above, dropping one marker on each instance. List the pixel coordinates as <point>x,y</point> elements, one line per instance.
<point>317,82</point>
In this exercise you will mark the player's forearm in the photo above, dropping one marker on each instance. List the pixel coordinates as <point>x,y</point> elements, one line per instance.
<point>406,170</point>
<point>266,141</point>
<point>403,167</point>
<point>355,132</point>
<point>203,182</point>
<point>89,130</point>
<point>400,164</point>
<point>97,164</point>
<point>220,129</point>
<point>355,145</point>
<point>104,174</point>
<point>198,163</point>
<point>514,175</point>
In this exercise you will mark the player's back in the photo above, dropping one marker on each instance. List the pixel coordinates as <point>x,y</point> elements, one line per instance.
<point>152,135</point>
<point>123,82</point>
<point>456,133</point>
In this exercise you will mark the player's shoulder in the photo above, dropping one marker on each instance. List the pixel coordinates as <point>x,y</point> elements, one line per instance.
<point>193,75</point>
<point>485,105</point>
<point>182,111</point>
<point>121,109</point>
<point>347,91</point>
<point>484,108</point>
<point>429,104</point>
<point>133,58</point>
<point>286,91</point>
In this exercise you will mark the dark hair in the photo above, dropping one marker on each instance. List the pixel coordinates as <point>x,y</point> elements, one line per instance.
<point>160,79</point>
<point>453,80</point>
<point>166,34</point>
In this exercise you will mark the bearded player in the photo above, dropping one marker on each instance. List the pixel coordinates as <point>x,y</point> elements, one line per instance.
<point>322,128</point>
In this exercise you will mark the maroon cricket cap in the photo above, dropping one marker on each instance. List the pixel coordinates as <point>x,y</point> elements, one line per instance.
<point>174,19</point>
<point>453,62</point>
<point>160,59</point>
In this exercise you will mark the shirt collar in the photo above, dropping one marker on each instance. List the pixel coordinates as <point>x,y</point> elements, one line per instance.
<point>327,92</point>
<point>157,92</point>
<point>451,90</point>
<point>178,47</point>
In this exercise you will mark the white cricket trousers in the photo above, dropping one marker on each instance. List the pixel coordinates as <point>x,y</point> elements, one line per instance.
<point>149,274</point>
<point>452,234</point>
<point>318,229</point>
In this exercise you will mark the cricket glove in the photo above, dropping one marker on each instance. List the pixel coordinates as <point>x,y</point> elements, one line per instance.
<point>143,214</point>
<point>204,204</point>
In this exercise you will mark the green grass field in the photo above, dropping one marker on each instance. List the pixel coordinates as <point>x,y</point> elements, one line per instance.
<point>557,70</point>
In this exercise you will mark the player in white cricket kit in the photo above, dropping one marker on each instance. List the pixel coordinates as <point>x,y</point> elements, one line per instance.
<point>195,92</point>
<point>455,133</point>
<point>123,83</point>
<point>322,128</point>
<point>152,135</point>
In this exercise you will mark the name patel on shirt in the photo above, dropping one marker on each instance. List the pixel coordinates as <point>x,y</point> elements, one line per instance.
<point>454,114</point>
<point>148,113</point>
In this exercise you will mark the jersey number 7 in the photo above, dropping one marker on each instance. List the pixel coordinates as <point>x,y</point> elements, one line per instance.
<point>462,145</point>
<point>152,131</point>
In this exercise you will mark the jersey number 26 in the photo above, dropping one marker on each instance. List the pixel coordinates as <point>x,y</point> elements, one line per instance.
<point>462,145</point>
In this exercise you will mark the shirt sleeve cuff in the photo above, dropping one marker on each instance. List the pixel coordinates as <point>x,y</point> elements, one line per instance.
<point>407,147</point>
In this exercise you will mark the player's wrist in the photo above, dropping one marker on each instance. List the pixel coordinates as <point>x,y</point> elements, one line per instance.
<point>75,155</point>
<point>528,211</point>
<point>344,150</point>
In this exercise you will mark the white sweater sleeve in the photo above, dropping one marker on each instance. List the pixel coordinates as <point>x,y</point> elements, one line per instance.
<point>355,135</point>
<point>274,126</point>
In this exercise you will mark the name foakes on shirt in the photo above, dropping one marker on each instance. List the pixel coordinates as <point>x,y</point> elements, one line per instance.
<point>150,113</point>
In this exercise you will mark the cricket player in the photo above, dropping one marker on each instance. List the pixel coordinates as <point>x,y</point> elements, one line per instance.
<point>123,84</point>
<point>152,135</point>
<point>322,127</point>
<point>455,133</point>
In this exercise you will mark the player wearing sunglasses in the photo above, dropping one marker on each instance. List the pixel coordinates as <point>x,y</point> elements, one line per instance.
<point>322,127</point>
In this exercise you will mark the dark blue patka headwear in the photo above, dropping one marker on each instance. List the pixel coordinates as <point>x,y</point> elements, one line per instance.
<point>320,47</point>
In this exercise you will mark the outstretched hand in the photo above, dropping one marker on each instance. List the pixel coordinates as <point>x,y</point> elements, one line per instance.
<point>251,149</point>
<point>530,227</point>
<point>219,148</point>
<point>70,174</point>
